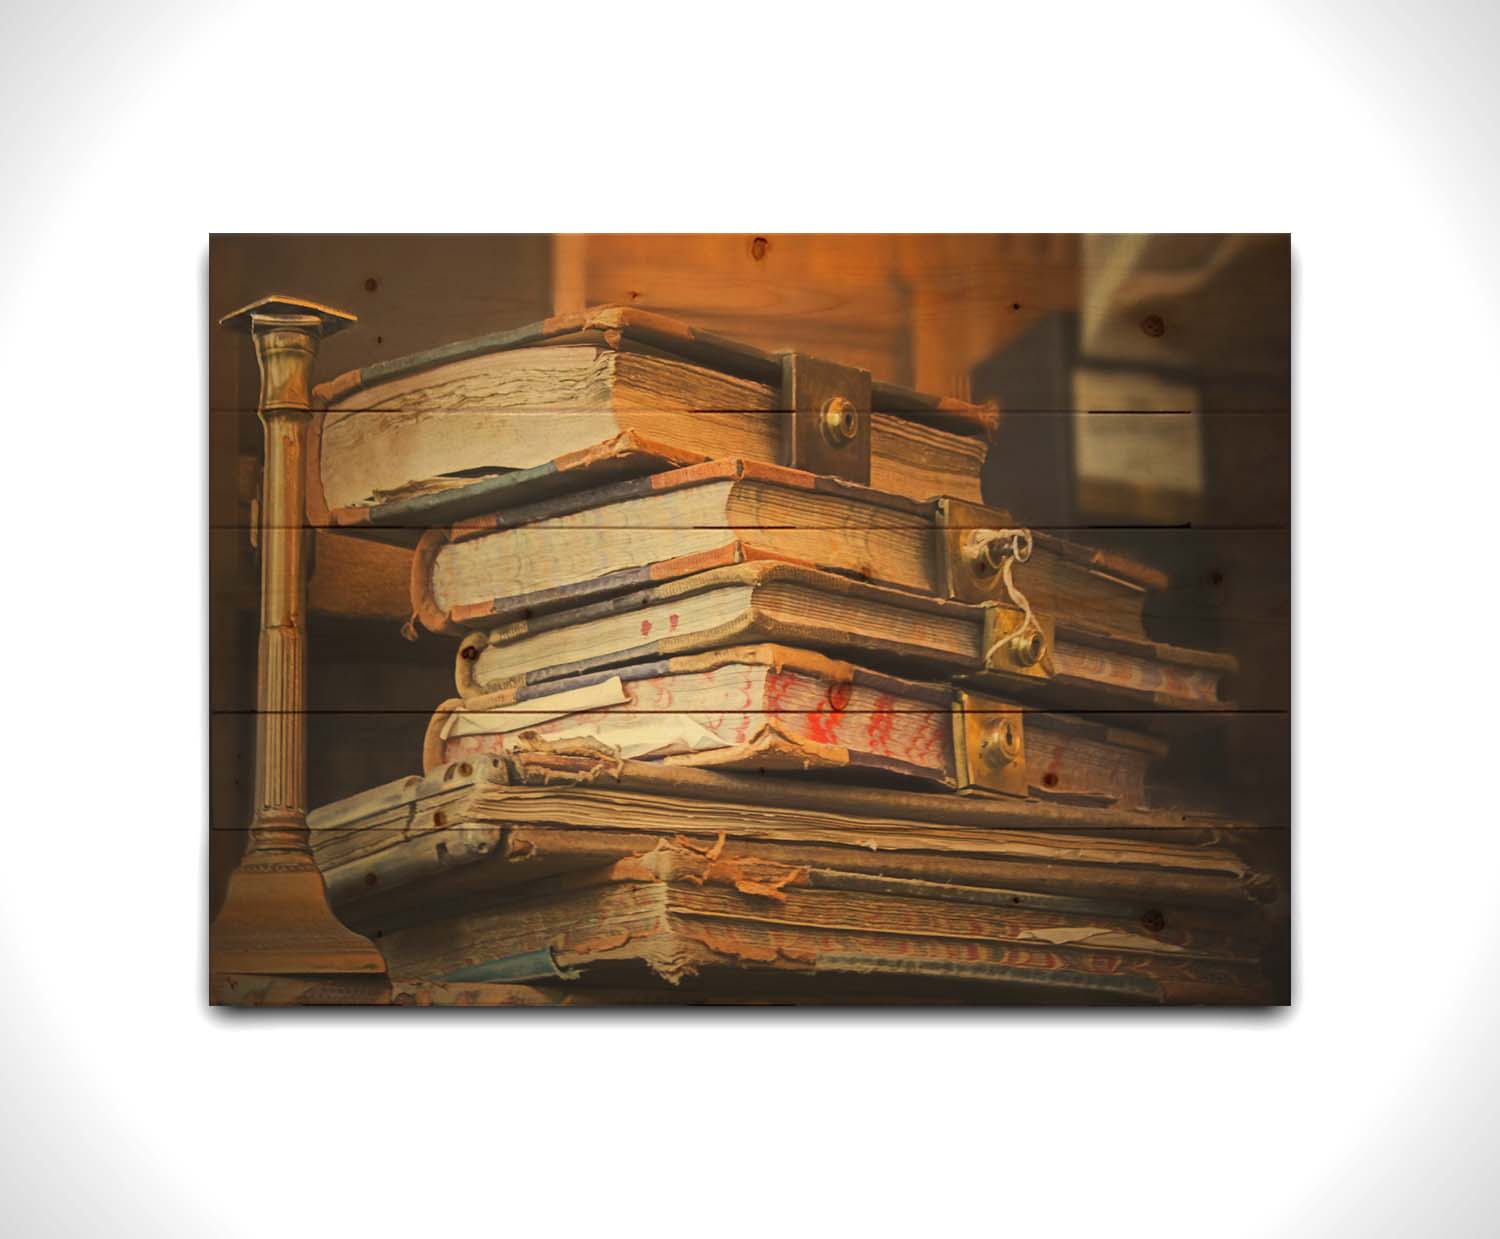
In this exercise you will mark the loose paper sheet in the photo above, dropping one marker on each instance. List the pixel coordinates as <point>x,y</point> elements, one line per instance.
<point>524,714</point>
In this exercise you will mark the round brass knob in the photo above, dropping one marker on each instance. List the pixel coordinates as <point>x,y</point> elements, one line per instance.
<point>984,551</point>
<point>1028,647</point>
<point>840,421</point>
<point>1000,743</point>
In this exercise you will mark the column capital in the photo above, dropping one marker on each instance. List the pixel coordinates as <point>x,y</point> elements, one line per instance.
<point>286,332</point>
<point>277,306</point>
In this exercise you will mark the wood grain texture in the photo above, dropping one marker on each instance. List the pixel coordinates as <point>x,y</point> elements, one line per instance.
<point>1204,316</point>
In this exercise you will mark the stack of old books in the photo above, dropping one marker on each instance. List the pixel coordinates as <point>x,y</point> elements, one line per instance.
<point>755,700</point>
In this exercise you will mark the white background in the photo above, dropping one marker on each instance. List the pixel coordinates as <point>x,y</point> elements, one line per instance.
<point>130,132</point>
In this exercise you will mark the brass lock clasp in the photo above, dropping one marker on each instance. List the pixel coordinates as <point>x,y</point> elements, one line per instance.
<point>827,416</point>
<point>989,745</point>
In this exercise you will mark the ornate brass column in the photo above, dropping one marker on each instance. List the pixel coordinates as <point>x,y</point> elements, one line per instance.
<point>276,917</point>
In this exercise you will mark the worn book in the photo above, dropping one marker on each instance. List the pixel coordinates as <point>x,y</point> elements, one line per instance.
<point>473,825</point>
<point>900,631</point>
<point>424,438</point>
<point>548,555</point>
<point>550,867</point>
<point>664,920</point>
<point>773,707</point>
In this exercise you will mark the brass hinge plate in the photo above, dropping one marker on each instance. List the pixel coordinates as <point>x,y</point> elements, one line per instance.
<point>967,573</point>
<point>828,427</point>
<point>989,745</point>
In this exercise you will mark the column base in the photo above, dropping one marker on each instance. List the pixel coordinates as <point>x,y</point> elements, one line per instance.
<point>276,920</point>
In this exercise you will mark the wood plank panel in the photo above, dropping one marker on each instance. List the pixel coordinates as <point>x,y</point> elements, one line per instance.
<point>1206,499</point>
